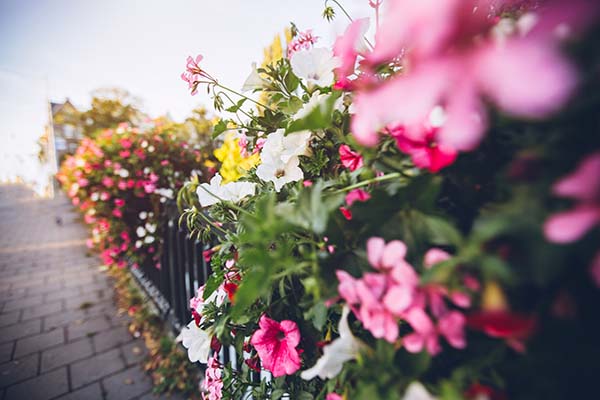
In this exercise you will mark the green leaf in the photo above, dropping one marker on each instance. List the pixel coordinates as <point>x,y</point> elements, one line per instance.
<point>219,128</point>
<point>318,118</point>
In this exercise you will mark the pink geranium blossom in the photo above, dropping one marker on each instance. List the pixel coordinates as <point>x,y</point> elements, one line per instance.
<point>349,158</point>
<point>352,197</point>
<point>452,60</point>
<point>303,41</point>
<point>346,49</point>
<point>379,299</point>
<point>213,381</point>
<point>583,186</point>
<point>194,74</point>
<point>276,344</point>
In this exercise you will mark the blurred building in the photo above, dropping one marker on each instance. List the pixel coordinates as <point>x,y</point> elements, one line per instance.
<point>66,127</point>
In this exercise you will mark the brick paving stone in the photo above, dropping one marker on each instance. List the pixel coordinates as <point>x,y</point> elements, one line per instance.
<point>134,352</point>
<point>48,308</point>
<point>111,338</point>
<point>18,304</point>
<point>18,370</point>
<point>24,329</point>
<point>39,342</point>
<point>90,392</point>
<point>43,387</point>
<point>127,385</point>
<point>96,367</point>
<point>62,355</point>
<point>6,350</point>
<point>49,283</point>
<point>9,318</point>
<point>88,328</point>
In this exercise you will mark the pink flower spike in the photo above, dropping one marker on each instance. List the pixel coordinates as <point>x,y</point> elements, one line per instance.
<point>349,158</point>
<point>276,344</point>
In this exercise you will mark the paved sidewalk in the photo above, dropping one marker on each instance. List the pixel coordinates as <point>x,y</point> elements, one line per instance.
<point>60,337</point>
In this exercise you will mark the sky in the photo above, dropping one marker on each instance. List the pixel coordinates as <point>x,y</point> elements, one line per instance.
<point>57,49</point>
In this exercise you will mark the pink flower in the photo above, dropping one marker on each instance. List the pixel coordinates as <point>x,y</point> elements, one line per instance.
<point>583,186</point>
<point>346,49</point>
<point>303,41</point>
<point>117,213</point>
<point>351,197</point>
<point>350,159</point>
<point>333,396</point>
<point>126,143</point>
<point>107,182</point>
<point>194,74</point>
<point>119,202</point>
<point>424,150</point>
<point>451,59</point>
<point>82,182</point>
<point>104,196</point>
<point>276,344</point>
<point>380,299</point>
<point>122,185</point>
<point>124,153</point>
<point>435,256</point>
<point>149,187</point>
<point>213,381</point>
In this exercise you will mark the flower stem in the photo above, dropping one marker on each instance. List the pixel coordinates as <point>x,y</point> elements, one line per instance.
<point>244,96</point>
<point>393,175</point>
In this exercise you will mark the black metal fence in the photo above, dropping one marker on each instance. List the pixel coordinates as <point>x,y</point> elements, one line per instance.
<point>183,269</point>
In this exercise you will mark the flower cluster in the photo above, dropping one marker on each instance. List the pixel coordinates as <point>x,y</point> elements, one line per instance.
<point>394,216</point>
<point>120,181</point>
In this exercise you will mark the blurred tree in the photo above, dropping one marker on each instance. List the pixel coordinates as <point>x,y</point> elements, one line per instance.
<point>109,108</point>
<point>199,125</point>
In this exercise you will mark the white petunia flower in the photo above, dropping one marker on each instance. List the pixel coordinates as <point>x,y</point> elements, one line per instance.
<point>279,146</point>
<point>315,65</point>
<point>214,192</point>
<point>143,215</point>
<point>335,354</point>
<point>95,196</point>
<point>253,81</point>
<point>416,391</point>
<point>140,231</point>
<point>280,173</point>
<point>151,149</point>
<point>149,239</point>
<point>138,244</point>
<point>123,173</point>
<point>197,342</point>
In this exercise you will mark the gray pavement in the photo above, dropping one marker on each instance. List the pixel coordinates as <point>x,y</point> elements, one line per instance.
<point>60,336</point>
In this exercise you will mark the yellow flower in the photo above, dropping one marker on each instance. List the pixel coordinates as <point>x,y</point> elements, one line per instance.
<point>233,164</point>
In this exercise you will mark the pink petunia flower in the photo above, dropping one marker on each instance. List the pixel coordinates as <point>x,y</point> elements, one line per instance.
<point>346,49</point>
<point>276,344</point>
<point>425,149</point>
<point>351,198</point>
<point>349,158</point>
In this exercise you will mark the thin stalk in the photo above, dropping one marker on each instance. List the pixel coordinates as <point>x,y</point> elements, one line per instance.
<point>244,96</point>
<point>393,175</point>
